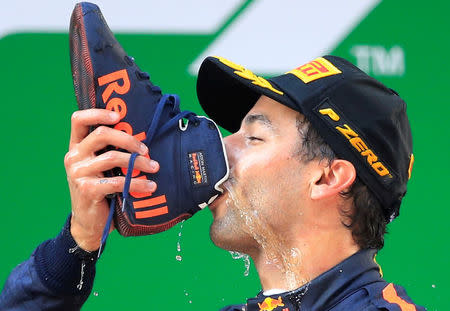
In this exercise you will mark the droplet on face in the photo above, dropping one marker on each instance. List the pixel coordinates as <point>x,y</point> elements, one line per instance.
<point>286,260</point>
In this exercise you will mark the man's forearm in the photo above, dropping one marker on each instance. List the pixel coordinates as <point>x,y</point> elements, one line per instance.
<point>58,276</point>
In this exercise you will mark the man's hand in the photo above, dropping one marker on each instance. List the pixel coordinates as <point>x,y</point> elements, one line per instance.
<point>88,186</point>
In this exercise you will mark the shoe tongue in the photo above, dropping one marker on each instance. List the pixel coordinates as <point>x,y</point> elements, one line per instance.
<point>206,161</point>
<point>193,165</point>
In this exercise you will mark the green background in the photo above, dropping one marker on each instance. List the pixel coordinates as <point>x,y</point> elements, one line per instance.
<point>142,273</point>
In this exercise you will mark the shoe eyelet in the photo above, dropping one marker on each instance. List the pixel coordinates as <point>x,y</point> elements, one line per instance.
<point>129,60</point>
<point>98,48</point>
<point>142,75</point>
<point>211,126</point>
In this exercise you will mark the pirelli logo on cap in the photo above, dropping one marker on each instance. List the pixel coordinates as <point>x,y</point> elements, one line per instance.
<point>358,143</point>
<point>316,69</point>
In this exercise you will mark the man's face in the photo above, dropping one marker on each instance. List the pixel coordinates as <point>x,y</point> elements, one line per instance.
<point>267,181</point>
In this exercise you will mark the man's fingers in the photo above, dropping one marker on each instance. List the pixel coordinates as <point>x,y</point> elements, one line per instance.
<point>82,120</point>
<point>98,188</point>
<point>104,136</point>
<point>109,160</point>
<point>116,184</point>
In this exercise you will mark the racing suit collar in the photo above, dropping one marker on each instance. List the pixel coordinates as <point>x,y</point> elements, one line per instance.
<point>327,289</point>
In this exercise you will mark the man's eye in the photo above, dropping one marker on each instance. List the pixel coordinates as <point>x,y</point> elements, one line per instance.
<point>253,138</point>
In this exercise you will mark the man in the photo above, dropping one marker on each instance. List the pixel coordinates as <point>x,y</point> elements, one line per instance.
<point>319,160</point>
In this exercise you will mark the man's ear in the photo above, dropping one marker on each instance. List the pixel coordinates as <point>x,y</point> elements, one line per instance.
<point>333,179</point>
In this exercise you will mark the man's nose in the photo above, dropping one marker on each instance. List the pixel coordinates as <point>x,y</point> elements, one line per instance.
<point>232,148</point>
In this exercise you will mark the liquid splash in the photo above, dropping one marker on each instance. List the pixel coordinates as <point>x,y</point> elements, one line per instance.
<point>187,296</point>
<point>245,258</point>
<point>288,261</point>
<point>179,257</point>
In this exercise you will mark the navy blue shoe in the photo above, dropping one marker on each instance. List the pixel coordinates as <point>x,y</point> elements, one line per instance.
<point>188,147</point>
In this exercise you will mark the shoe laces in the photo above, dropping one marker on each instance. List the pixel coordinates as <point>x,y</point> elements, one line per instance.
<point>153,131</point>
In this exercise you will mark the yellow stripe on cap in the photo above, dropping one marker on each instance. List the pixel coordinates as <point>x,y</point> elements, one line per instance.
<point>411,163</point>
<point>316,69</point>
<point>247,74</point>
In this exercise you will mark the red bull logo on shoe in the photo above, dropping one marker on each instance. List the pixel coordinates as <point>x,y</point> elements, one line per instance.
<point>119,82</point>
<point>316,69</point>
<point>270,304</point>
<point>197,168</point>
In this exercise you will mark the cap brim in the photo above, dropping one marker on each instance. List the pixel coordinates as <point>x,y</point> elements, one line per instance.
<point>226,97</point>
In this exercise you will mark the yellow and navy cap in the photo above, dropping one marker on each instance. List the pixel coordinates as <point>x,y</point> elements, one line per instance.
<point>362,120</point>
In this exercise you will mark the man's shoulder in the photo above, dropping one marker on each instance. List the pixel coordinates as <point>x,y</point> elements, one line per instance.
<point>234,308</point>
<point>379,296</point>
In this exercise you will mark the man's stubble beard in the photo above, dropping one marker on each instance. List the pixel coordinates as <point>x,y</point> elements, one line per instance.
<point>248,226</point>
<point>243,227</point>
<point>229,232</point>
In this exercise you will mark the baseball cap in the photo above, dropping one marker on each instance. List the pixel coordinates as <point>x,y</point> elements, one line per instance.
<point>362,120</point>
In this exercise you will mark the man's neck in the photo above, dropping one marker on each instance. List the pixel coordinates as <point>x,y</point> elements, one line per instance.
<point>291,265</point>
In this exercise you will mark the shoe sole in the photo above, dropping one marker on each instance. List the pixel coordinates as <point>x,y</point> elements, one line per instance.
<point>82,69</point>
